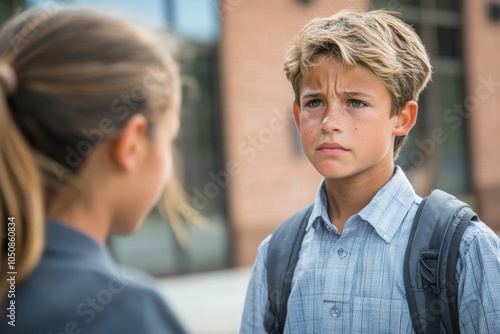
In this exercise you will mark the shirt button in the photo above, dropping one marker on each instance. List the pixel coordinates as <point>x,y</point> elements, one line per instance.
<point>342,253</point>
<point>335,311</point>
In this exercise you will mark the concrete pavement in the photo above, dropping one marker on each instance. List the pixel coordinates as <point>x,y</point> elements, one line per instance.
<point>208,303</point>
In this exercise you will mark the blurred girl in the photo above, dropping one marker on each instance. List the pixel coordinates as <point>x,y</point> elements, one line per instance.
<point>89,107</point>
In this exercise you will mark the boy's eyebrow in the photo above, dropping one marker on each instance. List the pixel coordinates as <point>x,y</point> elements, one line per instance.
<point>356,94</point>
<point>348,94</point>
<point>312,94</point>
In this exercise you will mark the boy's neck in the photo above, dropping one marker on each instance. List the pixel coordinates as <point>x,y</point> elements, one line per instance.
<point>346,197</point>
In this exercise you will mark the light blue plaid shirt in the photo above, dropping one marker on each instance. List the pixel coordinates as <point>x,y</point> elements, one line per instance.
<point>353,282</point>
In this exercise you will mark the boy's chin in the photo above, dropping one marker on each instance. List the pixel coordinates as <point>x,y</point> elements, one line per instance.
<point>353,173</point>
<point>334,171</point>
<point>340,171</point>
<point>336,174</point>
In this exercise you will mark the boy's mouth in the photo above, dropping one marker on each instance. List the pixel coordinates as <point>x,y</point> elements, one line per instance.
<point>331,148</point>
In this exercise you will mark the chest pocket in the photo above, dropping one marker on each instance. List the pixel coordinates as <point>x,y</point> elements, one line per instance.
<point>376,315</point>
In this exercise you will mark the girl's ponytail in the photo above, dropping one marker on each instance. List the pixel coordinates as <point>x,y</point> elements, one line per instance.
<point>21,196</point>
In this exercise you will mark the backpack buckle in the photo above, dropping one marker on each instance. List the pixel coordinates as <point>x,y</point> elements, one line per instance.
<point>428,269</point>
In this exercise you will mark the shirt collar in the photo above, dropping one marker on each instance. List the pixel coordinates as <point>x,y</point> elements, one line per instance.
<point>385,212</point>
<point>319,212</point>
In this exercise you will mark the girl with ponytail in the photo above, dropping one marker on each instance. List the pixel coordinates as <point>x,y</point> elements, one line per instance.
<point>89,107</point>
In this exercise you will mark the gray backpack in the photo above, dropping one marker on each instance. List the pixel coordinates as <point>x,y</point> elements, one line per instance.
<point>429,265</point>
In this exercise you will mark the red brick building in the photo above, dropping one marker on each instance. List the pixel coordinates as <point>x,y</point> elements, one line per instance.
<point>271,179</point>
<point>483,72</point>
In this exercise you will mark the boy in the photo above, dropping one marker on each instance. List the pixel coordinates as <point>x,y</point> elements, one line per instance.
<point>356,78</point>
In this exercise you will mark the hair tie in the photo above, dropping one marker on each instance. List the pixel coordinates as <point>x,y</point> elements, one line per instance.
<point>8,78</point>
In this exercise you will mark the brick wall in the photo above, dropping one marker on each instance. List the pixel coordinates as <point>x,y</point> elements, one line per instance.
<point>482,52</point>
<point>270,180</point>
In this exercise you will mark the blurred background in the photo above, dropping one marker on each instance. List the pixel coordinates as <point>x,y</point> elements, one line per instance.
<point>242,162</point>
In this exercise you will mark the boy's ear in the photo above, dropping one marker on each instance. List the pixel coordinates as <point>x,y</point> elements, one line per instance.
<point>128,149</point>
<point>406,119</point>
<point>296,114</point>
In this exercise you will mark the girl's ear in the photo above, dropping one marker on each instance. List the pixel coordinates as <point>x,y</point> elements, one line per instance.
<point>128,149</point>
<point>406,119</point>
<point>296,114</point>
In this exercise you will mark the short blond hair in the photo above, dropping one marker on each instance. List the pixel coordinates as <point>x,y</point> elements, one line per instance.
<point>376,40</point>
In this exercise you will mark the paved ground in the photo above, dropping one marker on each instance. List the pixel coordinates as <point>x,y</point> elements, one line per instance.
<point>208,303</point>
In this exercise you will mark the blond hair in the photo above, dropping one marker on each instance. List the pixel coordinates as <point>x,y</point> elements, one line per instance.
<point>63,72</point>
<point>376,40</point>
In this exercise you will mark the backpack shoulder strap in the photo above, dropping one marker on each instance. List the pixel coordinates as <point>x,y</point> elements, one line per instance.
<point>282,257</point>
<point>430,262</point>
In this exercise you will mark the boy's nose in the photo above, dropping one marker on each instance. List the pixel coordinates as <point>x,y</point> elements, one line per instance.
<point>333,120</point>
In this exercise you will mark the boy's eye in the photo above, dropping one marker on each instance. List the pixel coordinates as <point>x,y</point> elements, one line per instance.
<point>356,104</point>
<point>314,103</point>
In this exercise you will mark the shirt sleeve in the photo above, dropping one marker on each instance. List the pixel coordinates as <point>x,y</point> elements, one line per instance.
<point>478,272</point>
<point>256,299</point>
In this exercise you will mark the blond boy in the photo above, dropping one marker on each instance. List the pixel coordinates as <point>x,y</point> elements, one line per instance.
<point>357,77</point>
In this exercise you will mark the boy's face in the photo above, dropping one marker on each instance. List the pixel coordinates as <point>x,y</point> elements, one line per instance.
<point>344,120</point>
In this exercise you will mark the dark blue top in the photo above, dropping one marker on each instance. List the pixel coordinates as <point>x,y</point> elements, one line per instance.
<point>77,288</point>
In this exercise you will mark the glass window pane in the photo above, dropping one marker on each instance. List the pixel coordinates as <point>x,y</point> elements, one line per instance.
<point>449,42</point>
<point>199,139</point>
<point>6,10</point>
<point>418,28</point>
<point>408,159</point>
<point>395,4</point>
<point>197,20</point>
<point>436,154</point>
<point>448,4</point>
<point>151,12</point>
<point>452,171</point>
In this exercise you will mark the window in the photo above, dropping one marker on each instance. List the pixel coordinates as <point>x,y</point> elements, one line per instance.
<point>436,154</point>
<point>154,247</point>
<point>6,10</point>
